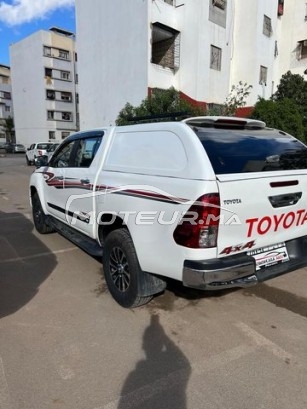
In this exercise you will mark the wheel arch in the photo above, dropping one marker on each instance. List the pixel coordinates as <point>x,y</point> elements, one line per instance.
<point>33,190</point>
<point>105,227</point>
<point>148,283</point>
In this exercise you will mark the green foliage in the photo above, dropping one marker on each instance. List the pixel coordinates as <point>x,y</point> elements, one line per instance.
<point>8,127</point>
<point>294,87</point>
<point>282,114</point>
<point>9,124</point>
<point>160,102</point>
<point>236,98</point>
<point>287,108</point>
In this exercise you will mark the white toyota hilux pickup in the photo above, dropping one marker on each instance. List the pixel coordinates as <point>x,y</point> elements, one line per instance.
<point>213,202</point>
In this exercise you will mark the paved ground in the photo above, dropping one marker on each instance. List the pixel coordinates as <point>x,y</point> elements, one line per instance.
<point>64,343</point>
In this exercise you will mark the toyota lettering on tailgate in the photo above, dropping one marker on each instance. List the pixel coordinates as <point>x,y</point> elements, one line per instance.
<point>275,223</point>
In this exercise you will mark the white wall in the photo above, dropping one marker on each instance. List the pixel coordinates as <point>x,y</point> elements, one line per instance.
<point>194,77</point>
<point>27,84</point>
<point>252,48</point>
<point>294,29</point>
<point>112,58</point>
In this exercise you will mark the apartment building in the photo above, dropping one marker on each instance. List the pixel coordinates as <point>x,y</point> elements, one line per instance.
<point>200,47</point>
<point>6,105</point>
<point>44,86</point>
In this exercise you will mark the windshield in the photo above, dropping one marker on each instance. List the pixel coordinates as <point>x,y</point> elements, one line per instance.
<point>43,145</point>
<point>238,151</point>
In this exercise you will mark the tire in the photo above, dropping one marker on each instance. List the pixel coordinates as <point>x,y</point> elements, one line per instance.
<point>28,162</point>
<point>39,217</point>
<point>122,270</point>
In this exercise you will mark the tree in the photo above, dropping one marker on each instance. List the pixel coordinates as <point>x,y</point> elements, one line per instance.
<point>294,87</point>
<point>160,102</point>
<point>236,98</point>
<point>283,114</point>
<point>287,109</point>
<point>8,128</point>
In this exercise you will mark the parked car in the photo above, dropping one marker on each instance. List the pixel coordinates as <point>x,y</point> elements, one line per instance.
<point>14,148</point>
<point>2,145</point>
<point>51,149</point>
<point>19,148</point>
<point>35,150</point>
<point>47,156</point>
<point>8,147</point>
<point>212,202</point>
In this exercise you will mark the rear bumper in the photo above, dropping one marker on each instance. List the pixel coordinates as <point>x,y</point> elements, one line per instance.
<point>240,270</point>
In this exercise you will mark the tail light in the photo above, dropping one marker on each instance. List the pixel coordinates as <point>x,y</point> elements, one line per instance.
<point>199,226</point>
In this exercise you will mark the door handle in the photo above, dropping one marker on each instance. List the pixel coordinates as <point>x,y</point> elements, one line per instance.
<point>85,181</point>
<point>287,199</point>
<point>60,177</point>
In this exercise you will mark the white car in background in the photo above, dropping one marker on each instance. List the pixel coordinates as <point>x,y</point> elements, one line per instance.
<point>36,150</point>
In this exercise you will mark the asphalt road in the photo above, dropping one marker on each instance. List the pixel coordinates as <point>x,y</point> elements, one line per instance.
<point>64,343</point>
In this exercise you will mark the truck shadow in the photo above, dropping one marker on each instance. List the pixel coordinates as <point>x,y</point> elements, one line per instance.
<point>279,297</point>
<point>25,262</point>
<point>159,380</point>
<point>176,290</point>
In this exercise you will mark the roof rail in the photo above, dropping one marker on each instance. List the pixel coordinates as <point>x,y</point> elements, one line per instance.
<point>175,116</point>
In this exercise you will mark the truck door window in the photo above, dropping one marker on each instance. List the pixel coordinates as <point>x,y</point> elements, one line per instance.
<point>86,151</point>
<point>62,157</point>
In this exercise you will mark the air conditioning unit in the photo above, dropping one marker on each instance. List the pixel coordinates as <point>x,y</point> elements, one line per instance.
<point>220,4</point>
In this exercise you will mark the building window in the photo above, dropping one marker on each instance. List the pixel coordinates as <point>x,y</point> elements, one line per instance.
<point>47,51</point>
<point>215,58</point>
<point>76,57</point>
<point>77,79</point>
<point>267,26</point>
<point>50,115</point>
<point>280,9</point>
<point>66,116</point>
<point>77,98</point>
<point>65,75</point>
<point>66,96</point>
<point>4,79</point>
<point>5,95</point>
<point>50,94</point>
<point>7,108</point>
<point>51,134</point>
<point>302,49</point>
<point>48,72</point>
<point>263,75</point>
<point>217,109</point>
<point>64,54</point>
<point>165,48</point>
<point>221,4</point>
<point>65,134</point>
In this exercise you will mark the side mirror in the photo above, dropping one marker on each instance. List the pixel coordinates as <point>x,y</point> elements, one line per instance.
<point>41,161</point>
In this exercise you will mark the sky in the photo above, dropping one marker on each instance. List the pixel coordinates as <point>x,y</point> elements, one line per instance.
<point>21,18</point>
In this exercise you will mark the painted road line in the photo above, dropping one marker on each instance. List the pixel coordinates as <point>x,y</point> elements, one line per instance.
<point>262,341</point>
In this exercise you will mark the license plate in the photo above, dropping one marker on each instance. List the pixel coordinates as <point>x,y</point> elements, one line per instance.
<point>268,256</point>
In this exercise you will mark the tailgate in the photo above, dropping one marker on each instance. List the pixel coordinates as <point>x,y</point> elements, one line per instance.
<point>261,209</point>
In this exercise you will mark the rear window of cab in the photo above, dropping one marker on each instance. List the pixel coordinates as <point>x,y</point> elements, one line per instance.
<point>239,151</point>
<point>43,145</point>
